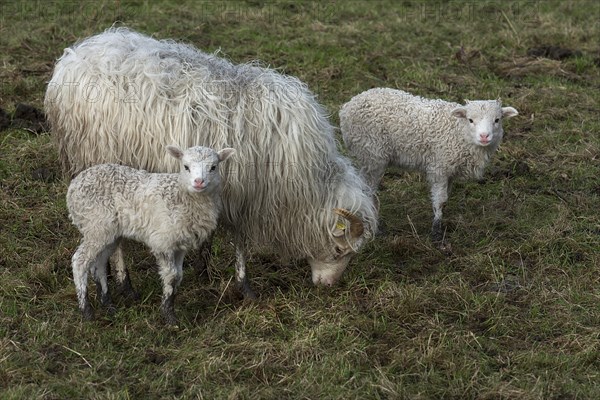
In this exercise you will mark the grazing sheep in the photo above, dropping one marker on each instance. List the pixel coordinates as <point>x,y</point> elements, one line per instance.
<point>170,213</point>
<point>120,96</point>
<point>444,140</point>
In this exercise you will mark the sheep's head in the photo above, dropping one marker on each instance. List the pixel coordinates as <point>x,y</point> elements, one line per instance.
<point>199,167</point>
<point>484,120</point>
<point>347,236</point>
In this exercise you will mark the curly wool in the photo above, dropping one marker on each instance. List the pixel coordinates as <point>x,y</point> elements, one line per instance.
<point>120,97</point>
<point>444,140</point>
<point>113,201</point>
<point>170,213</point>
<point>384,126</point>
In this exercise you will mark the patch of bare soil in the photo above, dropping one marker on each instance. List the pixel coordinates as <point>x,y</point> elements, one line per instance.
<point>25,117</point>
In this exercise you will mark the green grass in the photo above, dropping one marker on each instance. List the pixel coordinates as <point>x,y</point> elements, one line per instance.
<point>513,313</point>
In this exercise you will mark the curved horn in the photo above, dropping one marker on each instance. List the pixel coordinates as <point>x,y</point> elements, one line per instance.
<point>357,227</point>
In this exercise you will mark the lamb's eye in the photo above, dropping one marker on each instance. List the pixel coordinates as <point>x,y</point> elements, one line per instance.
<point>213,168</point>
<point>338,250</point>
<point>186,168</point>
<point>470,120</point>
<point>497,120</point>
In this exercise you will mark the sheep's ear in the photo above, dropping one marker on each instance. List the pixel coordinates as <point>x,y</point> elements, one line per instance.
<point>459,112</point>
<point>226,153</point>
<point>509,112</point>
<point>175,152</point>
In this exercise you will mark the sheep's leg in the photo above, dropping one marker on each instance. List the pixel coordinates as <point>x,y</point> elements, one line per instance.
<point>117,261</point>
<point>83,260</point>
<point>439,197</point>
<point>171,271</point>
<point>100,277</point>
<point>205,254</point>
<point>241,278</point>
<point>80,264</point>
<point>373,171</point>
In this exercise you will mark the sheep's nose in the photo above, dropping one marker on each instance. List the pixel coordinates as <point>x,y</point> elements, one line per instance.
<point>198,182</point>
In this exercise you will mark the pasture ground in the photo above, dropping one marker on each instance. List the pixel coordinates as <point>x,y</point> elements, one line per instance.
<point>513,313</point>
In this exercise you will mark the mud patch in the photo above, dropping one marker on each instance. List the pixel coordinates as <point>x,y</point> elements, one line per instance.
<point>30,118</point>
<point>465,56</point>
<point>4,120</point>
<point>553,52</point>
<point>56,358</point>
<point>43,174</point>
<point>156,358</point>
<point>527,66</point>
<point>25,117</point>
<point>544,59</point>
<point>512,170</point>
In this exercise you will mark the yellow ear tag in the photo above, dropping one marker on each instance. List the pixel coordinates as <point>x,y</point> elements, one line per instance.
<point>341,226</point>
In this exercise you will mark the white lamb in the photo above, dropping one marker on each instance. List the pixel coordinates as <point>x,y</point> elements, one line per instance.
<point>170,213</point>
<point>444,140</point>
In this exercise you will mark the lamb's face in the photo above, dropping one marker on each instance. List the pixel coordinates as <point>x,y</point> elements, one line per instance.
<point>484,120</point>
<point>200,167</point>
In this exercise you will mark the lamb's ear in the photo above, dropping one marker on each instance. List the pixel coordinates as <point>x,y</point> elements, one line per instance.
<point>175,152</point>
<point>226,153</point>
<point>509,112</point>
<point>459,112</point>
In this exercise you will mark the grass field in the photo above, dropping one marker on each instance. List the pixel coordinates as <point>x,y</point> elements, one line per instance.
<point>513,313</point>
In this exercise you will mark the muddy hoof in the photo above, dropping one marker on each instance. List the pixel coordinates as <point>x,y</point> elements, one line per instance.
<point>445,248</point>
<point>87,313</point>
<point>247,293</point>
<point>171,320</point>
<point>131,295</point>
<point>128,293</point>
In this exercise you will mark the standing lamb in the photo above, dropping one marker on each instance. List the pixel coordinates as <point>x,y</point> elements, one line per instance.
<point>444,140</point>
<point>170,213</point>
<point>121,96</point>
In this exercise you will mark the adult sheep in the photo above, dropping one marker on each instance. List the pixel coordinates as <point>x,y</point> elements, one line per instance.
<point>121,97</point>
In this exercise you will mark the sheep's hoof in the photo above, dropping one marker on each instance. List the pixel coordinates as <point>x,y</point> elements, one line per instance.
<point>247,292</point>
<point>168,311</point>
<point>128,293</point>
<point>171,320</point>
<point>250,295</point>
<point>444,247</point>
<point>202,262</point>
<point>168,314</point>
<point>105,300</point>
<point>131,295</point>
<point>87,313</point>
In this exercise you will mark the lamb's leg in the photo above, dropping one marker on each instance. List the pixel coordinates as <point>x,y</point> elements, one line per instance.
<point>171,271</point>
<point>202,263</point>
<point>373,171</point>
<point>122,274</point>
<point>98,267</point>
<point>439,197</point>
<point>80,264</point>
<point>241,278</point>
<point>82,261</point>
